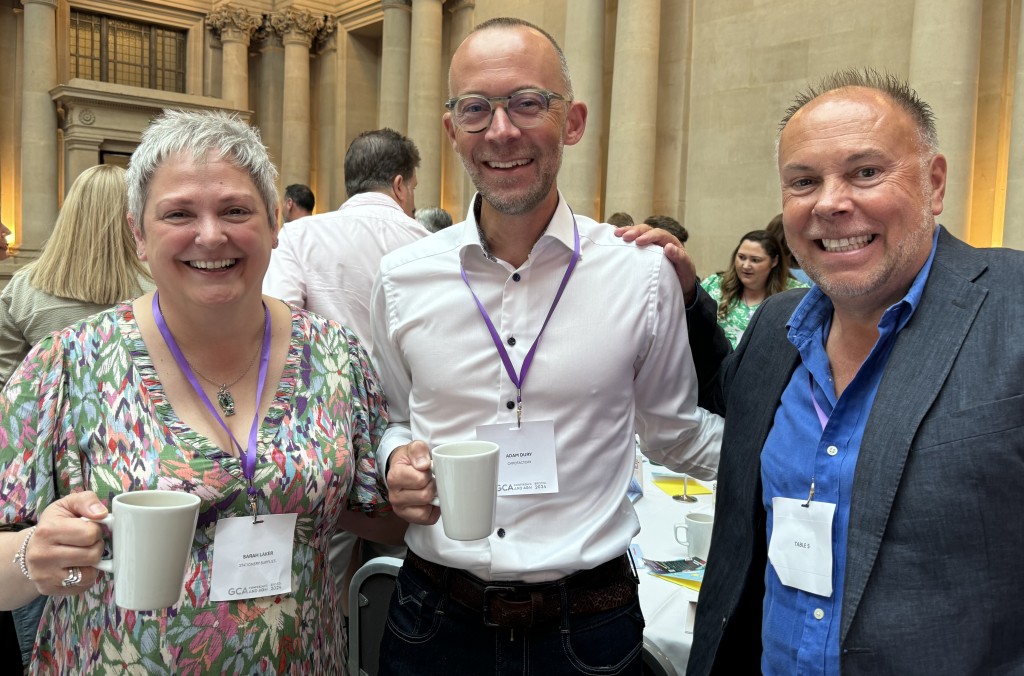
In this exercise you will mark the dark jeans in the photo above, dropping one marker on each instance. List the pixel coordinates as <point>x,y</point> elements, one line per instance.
<point>428,633</point>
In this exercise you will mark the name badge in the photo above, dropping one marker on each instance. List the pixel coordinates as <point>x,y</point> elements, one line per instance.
<point>801,545</point>
<point>252,559</point>
<point>527,463</point>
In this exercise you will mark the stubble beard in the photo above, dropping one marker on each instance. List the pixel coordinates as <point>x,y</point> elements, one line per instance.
<point>515,204</point>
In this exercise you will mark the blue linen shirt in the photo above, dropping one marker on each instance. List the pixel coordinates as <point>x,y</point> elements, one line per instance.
<point>800,631</point>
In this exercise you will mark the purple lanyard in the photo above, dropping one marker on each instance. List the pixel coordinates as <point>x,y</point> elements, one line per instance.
<point>520,378</point>
<point>823,419</point>
<point>249,456</point>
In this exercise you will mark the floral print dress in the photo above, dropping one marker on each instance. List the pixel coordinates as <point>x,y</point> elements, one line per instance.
<point>85,411</point>
<point>738,316</point>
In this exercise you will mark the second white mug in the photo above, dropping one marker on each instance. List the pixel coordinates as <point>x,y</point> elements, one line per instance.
<point>466,473</point>
<point>696,534</point>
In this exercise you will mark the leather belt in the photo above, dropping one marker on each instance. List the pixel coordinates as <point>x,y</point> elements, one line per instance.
<point>611,585</point>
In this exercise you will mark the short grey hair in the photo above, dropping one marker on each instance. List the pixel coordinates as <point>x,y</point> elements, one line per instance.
<point>197,133</point>
<point>892,86</point>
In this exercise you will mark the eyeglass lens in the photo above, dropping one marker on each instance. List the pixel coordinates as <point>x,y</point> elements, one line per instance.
<point>524,108</point>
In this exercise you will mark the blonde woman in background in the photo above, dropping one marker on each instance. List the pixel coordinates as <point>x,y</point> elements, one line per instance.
<point>88,265</point>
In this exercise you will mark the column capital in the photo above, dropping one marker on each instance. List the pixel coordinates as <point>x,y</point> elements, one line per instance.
<point>456,6</point>
<point>396,4</point>
<point>266,35</point>
<point>326,37</point>
<point>48,3</point>
<point>233,24</point>
<point>297,25</point>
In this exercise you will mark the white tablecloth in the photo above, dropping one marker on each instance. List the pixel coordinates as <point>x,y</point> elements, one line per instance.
<point>668,608</point>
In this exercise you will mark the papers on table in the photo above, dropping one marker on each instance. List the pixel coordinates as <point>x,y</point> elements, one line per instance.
<point>673,484</point>
<point>688,573</point>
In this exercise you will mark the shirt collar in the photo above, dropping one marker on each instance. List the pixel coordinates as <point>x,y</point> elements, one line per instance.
<point>815,310</point>
<point>371,198</point>
<point>559,228</point>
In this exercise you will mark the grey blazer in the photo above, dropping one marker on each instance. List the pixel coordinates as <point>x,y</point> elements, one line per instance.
<point>935,564</point>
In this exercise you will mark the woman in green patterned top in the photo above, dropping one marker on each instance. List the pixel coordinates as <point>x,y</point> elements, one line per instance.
<point>757,270</point>
<point>168,392</point>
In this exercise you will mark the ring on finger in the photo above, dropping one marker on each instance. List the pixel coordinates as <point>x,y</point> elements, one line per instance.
<point>73,578</point>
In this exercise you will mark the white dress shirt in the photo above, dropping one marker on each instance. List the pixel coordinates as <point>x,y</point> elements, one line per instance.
<point>327,263</point>
<point>614,358</point>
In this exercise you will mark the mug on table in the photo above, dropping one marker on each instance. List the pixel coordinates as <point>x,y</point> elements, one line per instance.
<point>696,534</point>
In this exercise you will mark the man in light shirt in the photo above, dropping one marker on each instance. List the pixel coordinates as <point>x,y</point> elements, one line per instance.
<point>527,321</point>
<point>326,263</point>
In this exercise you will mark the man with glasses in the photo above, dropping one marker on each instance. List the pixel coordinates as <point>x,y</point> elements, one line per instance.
<point>538,328</point>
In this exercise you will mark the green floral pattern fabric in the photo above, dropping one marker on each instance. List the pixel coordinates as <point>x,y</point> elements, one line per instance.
<point>738,316</point>
<point>85,411</point>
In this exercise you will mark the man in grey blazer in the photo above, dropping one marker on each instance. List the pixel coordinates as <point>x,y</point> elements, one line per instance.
<point>870,515</point>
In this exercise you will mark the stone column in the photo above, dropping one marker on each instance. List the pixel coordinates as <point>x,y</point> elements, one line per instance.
<point>235,26</point>
<point>330,171</point>
<point>456,186</point>
<point>580,178</point>
<point>297,28</point>
<point>632,126</point>
<point>271,88</point>
<point>425,97</point>
<point>1013,218</point>
<point>945,57</point>
<point>394,65</point>
<point>39,180</point>
<point>673,107</point>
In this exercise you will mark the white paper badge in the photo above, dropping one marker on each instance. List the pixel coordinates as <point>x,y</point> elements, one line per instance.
<point>527,464</point>
<point>252,559</point>
<point>801,546</point>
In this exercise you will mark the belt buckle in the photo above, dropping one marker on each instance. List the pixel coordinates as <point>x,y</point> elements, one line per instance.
<point>493,589</point>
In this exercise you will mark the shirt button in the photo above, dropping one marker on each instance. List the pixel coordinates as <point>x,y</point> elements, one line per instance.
<point>501,532</point>
<point>516,277</point>
<point>819,613</point>
<point>511,340</point>
<point>831,450</point>
<point>510,405</point>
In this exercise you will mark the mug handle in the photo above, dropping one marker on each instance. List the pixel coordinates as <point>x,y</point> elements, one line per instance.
<point>106,565</point>
<point>683,527</point>
<point>436,500</point>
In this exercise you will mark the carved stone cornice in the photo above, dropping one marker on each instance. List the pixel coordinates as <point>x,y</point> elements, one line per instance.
<point>233,24</point>
<point>297,25</point>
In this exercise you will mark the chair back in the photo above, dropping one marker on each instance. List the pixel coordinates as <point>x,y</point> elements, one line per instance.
<point>368,599</point>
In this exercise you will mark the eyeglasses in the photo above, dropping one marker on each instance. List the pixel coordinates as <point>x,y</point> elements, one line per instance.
<point>526,108</point>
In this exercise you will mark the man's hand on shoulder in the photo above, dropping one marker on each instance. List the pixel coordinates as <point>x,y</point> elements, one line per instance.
<point>411,485</point>
<point>675,251</point>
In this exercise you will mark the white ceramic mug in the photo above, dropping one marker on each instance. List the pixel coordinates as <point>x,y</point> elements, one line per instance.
<point>466,473</point>
<point>696,534</point>
<point>151,537</point>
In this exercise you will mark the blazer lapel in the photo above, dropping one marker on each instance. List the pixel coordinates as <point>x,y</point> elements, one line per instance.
<point>920,362</point>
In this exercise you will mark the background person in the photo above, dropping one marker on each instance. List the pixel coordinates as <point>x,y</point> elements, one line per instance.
<point>668,223</point>
<point>757,270</point>
<point>775,227</point>
<point>620,219</point>
<point>123,401</point>
<point>299,202</point>
<point>5,232</point>
<point>87,265</point>
<point>433,219</point>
